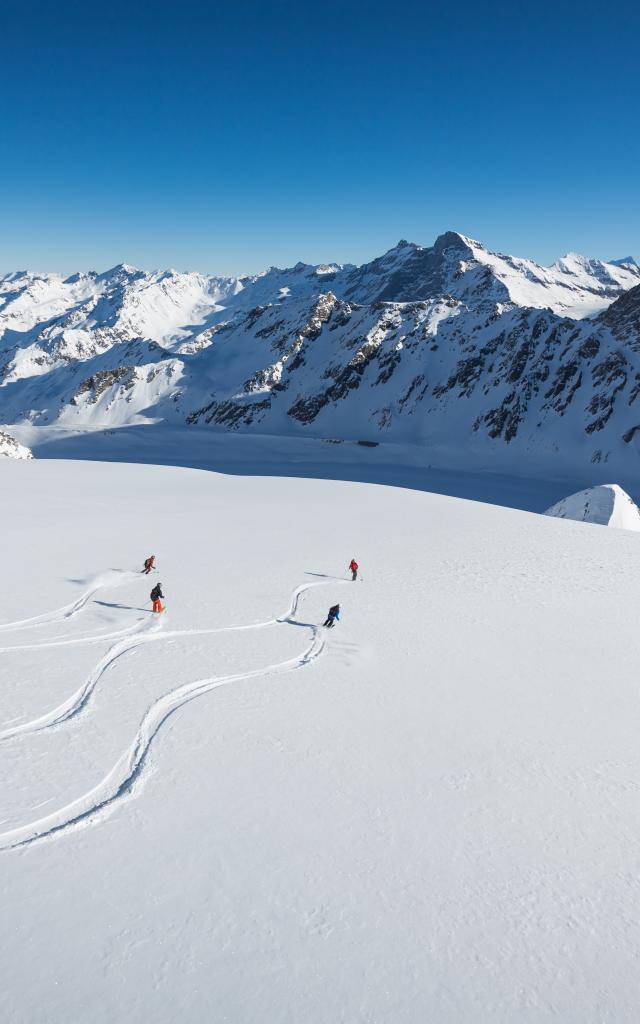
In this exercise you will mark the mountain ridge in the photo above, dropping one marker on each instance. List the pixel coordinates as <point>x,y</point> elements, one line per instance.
<point>450,346</point>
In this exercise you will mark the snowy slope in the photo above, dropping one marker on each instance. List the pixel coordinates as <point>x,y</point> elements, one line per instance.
<point>429,814</point>
<point>47,322</point>
<point>606,505</point>
<point>451,347</point>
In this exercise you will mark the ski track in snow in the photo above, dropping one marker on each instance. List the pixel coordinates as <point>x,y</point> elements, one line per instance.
<point>78,700</point>
<point>113,578</point>
<point>119,783</point>
<point>79,641</point>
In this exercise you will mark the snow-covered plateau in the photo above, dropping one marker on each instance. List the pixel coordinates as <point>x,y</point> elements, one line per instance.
<point>480,360</point>
<point>228,813</point>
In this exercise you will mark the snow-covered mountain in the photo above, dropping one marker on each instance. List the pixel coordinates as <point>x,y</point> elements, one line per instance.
<point>12,449</point>
<point>606,505</point>
<point>451,347</point>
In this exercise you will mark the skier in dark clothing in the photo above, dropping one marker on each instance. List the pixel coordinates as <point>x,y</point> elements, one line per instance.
<point>334,613</point>
<point>156,595</point>
<point>353,566</point>
<point>149,564</point>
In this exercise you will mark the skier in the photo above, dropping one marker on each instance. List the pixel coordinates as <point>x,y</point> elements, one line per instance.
<point>334,613</point>
<point>353,566</point>
<point>149,564</point>
<point>156,595</point>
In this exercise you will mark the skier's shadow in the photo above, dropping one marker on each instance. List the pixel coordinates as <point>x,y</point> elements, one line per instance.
<point>301,625</point>
<point>324,575</point>
<point>126,607</point>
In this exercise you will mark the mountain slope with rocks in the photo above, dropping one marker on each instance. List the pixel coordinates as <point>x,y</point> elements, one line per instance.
<point>12,449</point>
<point>475,356</point>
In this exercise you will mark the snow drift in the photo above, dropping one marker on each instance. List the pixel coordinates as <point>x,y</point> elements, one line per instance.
<point>606,505</point>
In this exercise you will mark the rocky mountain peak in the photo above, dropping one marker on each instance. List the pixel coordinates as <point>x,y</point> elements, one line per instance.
<point>453,240</point>
<point>450,345</point>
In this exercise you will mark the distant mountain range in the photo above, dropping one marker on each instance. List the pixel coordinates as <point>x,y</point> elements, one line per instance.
<point>467,352</point>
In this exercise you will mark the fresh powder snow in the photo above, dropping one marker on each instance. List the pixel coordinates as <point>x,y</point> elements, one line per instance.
<point>226,812</point>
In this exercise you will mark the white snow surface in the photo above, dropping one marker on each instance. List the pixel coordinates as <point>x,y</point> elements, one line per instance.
<point>606,505</point>
<point>429,813</point>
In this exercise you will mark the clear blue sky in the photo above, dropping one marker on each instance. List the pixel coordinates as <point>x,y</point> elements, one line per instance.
<point>227,137</point>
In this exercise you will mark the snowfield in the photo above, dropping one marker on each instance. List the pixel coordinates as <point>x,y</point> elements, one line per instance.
<point>227,813</point>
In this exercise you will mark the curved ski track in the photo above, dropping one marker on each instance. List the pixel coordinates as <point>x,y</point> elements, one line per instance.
<point>113,578</point>
<point>74,641</point>
<point>119,782</point>
<point>78,700</point>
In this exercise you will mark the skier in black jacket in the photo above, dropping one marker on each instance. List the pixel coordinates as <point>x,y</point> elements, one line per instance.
<point>334,613</point>
<point>156,595</point>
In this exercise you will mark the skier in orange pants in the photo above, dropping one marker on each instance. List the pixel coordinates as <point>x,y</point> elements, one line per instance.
<point>156,595</point>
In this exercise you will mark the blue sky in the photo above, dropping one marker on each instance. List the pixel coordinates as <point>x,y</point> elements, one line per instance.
<point>229,137</point>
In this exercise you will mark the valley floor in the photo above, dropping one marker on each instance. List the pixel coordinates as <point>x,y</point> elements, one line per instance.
<point>429,813</point>
<point>532,484</point>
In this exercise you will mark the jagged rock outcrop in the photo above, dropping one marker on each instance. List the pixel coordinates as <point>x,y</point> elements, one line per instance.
<point>12,449</point>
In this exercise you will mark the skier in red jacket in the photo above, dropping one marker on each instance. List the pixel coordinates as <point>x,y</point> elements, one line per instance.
<point>149,564</point>
<point>353,565</point>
